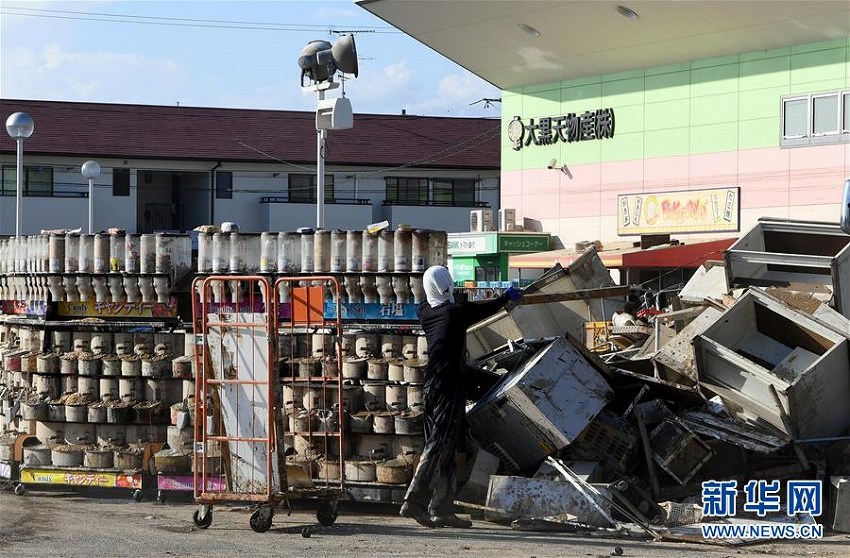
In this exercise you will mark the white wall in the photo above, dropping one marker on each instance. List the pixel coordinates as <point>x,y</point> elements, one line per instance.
<point>291,216</point>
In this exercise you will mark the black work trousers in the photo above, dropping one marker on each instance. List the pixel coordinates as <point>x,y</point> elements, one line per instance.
<point>434,482</point>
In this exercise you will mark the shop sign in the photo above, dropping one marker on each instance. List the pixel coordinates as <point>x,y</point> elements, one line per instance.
<point>186,483</point>
<point>548,130</point>
<point>99,479</point>
<point>91,309</point>
<point>24,307</point>
<point>687,211</point>
<point>371,311</point>
<point>467,245</point>
<point>523,243</point>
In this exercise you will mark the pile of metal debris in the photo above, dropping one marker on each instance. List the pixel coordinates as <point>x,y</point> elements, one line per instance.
<point>743,374</point>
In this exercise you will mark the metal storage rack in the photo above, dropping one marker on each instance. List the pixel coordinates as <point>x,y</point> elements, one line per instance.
<point>237,410</point>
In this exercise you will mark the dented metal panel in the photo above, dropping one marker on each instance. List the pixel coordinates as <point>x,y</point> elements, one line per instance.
<point>541,407</point>
<point>550,319</point>
<point>707,282</point>
<point>780,252</point>
<point>678,353</point>
<point>732,431</point>
<point>529,498</point>
<point>760,345</point>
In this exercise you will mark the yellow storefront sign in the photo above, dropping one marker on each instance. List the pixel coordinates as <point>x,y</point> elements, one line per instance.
<point>95,479</point>
<point>687,211</point>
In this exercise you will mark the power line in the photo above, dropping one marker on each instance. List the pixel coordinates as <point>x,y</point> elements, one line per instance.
<point>184,22</point>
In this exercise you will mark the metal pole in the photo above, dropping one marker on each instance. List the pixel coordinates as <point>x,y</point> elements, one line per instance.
<point>91,204</point>
<point>20,186</point>
<point>320,171</point>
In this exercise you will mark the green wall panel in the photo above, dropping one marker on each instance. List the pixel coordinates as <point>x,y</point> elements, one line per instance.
<point>576,99</point>
<point>761,103</point>
<point>672,114</point>
<point>758,133</point>
<point>703,106</point>
<point>819,65</point>
<point>624,92</point>
<point>666,87</point>
<point>666,143</point>
<point>716,108</point>
<point>714,80</point>
<point>628,119</point>
<point>814,47</point>
<point>817,86</point>
<point>714,137</point>
<point>767,72</point>
<point>761,54</point>
<point>623,147</point>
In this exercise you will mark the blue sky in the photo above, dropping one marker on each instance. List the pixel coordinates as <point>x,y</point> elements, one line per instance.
<point>236,54</point>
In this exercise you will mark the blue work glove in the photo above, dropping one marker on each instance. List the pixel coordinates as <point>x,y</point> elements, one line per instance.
<point>514,294</point>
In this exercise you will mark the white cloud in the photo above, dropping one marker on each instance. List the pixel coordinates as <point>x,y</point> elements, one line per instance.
<point>57,73</point>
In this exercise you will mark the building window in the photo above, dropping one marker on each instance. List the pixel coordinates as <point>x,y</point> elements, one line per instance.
<point>845,129</point>
<point>303,187</point>
<point>825,111</point>
<point>406,191</point>
<point>223,185</point>
<point>455,192</point>
<point>38,181</point>
<point>120,182</point>
<point>816,118</point>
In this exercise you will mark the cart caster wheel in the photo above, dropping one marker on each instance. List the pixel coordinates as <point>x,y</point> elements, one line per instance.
<point>20,489</point>
<point>137,495</point>
<point>261,520</point>
<point>326,513</point>
<point>205,520</point>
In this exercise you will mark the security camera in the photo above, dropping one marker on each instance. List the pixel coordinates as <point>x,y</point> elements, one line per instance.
<point>552,164</point>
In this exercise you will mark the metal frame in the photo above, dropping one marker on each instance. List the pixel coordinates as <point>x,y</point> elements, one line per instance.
<point>289,326</point>
<point>258,287</point>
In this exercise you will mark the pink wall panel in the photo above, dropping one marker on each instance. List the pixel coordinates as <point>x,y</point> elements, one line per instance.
<point>762,163</point>
<point>714,169</point>
<point>667,173</point>
<point>768,178</point>
<point>767,192</point>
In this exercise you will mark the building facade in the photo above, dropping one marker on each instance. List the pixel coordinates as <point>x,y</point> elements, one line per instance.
<point>174,168</point>
<point>686,118</point>
<point>703,147</point>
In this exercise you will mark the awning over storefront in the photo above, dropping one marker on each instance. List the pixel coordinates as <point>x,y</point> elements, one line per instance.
<point>682,255</point>
<point>689,256</point>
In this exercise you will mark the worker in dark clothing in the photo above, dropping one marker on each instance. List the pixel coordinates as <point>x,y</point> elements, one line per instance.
<point>430,497</point>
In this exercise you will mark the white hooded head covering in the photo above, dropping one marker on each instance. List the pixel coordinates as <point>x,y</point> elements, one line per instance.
<point>438,285</point>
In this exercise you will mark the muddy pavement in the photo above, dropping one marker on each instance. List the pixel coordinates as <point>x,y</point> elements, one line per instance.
<point>40,524</point>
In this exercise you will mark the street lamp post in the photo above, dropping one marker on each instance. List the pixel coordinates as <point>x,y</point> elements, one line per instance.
<point>19,126</point>
<point>91,170</point>
<point>319,61</point>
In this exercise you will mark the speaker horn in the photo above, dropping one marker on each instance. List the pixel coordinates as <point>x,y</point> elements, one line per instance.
<point>345,55</point>
<point>309,63</point>
<point>341,56</point>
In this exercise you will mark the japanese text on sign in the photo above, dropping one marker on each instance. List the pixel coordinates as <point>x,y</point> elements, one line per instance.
<point>713,210</point>
<point>572,127</point>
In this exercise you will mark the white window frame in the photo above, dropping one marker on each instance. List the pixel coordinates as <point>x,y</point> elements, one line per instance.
<point>825,137</point>
<point>845,110</point>
<point>791,141</point>
<point>841,135</point>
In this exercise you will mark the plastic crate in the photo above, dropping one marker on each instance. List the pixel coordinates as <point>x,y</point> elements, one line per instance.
<point>610,440</point>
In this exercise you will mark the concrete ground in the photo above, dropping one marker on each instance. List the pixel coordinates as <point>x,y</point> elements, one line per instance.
<point>55,524</point>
